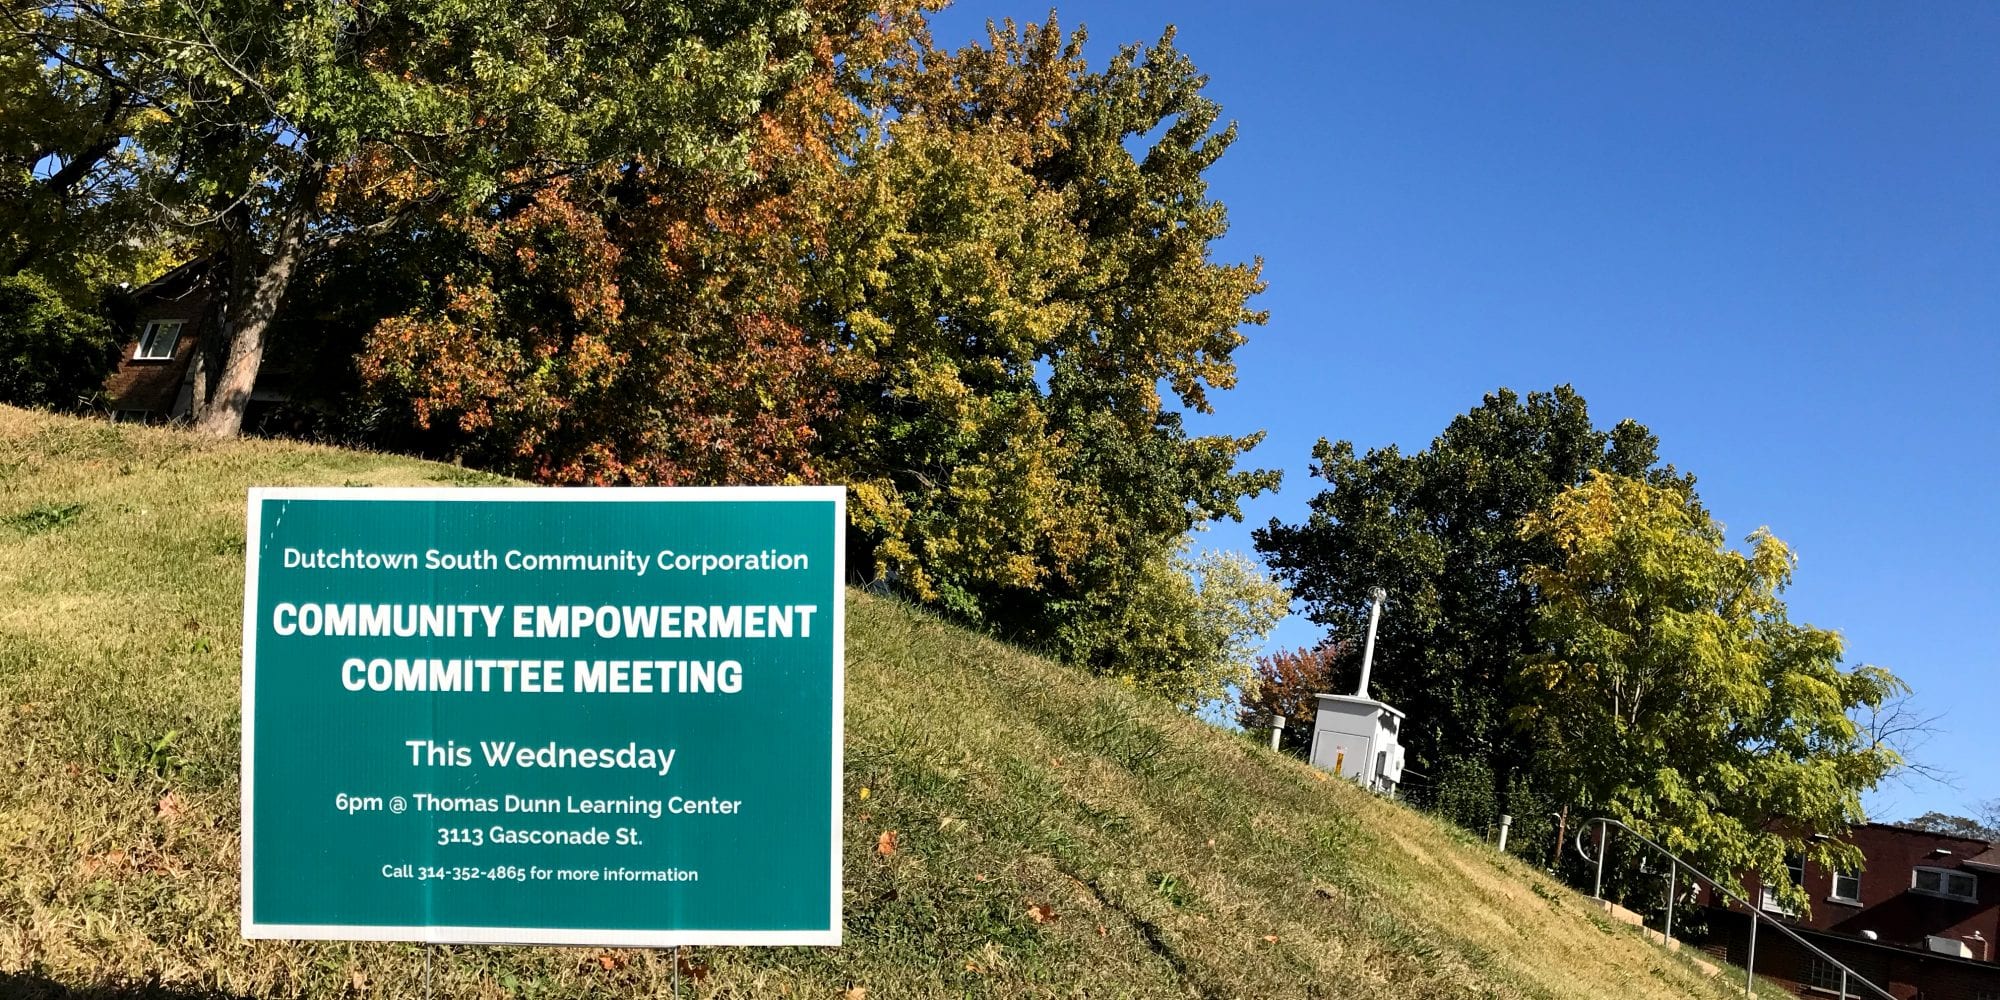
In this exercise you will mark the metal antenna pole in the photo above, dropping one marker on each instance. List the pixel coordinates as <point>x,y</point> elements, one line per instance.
<point>1368,651</point>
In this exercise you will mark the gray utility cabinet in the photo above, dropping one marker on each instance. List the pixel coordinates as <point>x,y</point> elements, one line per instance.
<point>1358,739</point>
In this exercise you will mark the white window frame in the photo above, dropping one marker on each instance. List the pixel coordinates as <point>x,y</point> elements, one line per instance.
<point>149,340</point>
<point>1767,897</point>
<point>1815,969</point>
<point>1946,876</point>
<point>1768,901</point>
<point>1854,879</point>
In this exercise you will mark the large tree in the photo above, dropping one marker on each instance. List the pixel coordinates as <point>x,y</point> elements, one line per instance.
<point>645,323</point>
<point>1440,531</point>
<point>241,121</point>
<point>1026,264</point>
<point>975,285</point>
<point>67,211</point>
<point>1676,694</point>
<point>72,230</point>
<point>1984,827</point>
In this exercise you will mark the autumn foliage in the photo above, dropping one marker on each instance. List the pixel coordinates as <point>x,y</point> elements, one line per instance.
<point>974,285</point>
<point>1284,686</point>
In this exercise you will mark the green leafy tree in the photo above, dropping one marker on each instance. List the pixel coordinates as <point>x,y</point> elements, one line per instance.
<point>1195,624</point>
<point>246,120</point>
<point>51,355</point>
<point>1023,262</point>
<point>1440,531</point>
<point>1986,827</point>
<point>71,224</point>
<point>1677,695</point>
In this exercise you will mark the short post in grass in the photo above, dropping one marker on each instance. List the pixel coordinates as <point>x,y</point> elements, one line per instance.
<point>1277,729</point>
<point>1506,823</point>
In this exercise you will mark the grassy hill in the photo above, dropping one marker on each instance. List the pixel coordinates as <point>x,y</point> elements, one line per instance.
<point>1057,835</point>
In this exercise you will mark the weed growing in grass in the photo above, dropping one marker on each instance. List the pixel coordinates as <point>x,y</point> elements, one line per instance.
<point>45,517</point>
<point>141,758</point>
<point>461,476</point>
<point>1172,890</point>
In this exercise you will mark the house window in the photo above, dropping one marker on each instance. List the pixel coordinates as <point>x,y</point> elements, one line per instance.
<point>1945,882</point>
<point>1846,886</point>
<point>1767,897</point>
<point>157,343</point>
<point>1822,976</point>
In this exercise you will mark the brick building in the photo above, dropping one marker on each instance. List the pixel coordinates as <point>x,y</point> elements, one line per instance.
<point>1921,918</point>
<point>168,317</point>
<point>152,381</point>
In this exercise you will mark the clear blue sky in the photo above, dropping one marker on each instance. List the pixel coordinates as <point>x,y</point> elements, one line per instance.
<point>1772,234</point>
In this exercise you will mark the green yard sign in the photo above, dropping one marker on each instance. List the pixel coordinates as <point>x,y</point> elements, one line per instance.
<point>554,716</point>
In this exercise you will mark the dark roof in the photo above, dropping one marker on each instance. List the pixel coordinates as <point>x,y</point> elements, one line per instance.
<point>1920,831</point>
<point>175,283</point>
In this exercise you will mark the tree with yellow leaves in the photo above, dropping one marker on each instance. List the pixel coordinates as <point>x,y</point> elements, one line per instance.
<point>1675,693</point>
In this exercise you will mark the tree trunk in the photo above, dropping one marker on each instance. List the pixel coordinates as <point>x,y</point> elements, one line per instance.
<point>222,395</point>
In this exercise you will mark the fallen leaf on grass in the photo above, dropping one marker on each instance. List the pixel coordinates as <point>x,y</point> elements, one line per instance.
<point>1270,939</point>
<point>1101,932</point>
<point>610,962</point>
<point>1041,913</point>
<point>855,993</point>
<point>695,971</point>
<point>358,980</point>
<point>170,808</point>
<point>886,844</point>
<point>863,794</point>
<point>166,864</point>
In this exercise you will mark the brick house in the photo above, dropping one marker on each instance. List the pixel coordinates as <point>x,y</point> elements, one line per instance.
<point>166,320</point>
<point>1921,919</point>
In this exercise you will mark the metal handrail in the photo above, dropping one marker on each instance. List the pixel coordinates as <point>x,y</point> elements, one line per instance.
<point>1675,863</point>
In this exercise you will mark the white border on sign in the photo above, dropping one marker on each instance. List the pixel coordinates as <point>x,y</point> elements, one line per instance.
<point>614,938</point>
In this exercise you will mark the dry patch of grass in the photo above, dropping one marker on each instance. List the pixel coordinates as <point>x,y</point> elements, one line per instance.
<point>1054,835</point>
